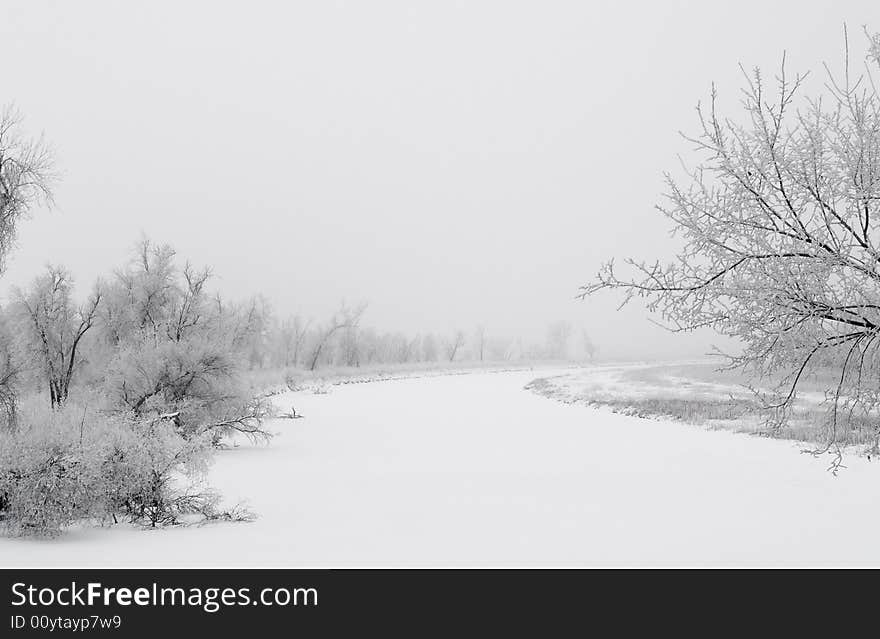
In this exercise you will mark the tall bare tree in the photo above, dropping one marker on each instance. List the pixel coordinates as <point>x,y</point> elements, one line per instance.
<point>429,348</point>
<point>54,326</point>
<point>780,222</point>
<point>27,175</point>
<point>454,344</point>
<point>290,338</point>
<point>589,346</point>
<point>253,332</point>
<point>9,377</point>
<point>344,318</point>
<point>480,342</point>
<point>558,336</point>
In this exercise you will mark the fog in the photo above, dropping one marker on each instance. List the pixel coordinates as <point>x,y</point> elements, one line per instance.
<point>451,163</point>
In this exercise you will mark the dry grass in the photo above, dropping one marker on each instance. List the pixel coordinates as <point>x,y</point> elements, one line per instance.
<point>694,411</point>
<point>701,394</point>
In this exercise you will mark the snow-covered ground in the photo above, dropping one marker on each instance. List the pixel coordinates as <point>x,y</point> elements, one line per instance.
<point>472,470</point>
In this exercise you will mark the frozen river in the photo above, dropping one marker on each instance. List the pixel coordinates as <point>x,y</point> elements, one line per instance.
<point>472,470</point>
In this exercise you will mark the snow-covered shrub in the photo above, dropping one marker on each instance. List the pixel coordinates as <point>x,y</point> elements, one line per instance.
<point>148,469</point>
<point>50,469</point>
<point>74,463</point>
<point>44,487</point>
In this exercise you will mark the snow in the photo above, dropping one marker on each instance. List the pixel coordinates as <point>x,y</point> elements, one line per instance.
<point>472,470</point>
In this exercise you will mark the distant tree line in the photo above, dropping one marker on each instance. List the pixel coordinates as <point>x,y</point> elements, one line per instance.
<point>344,341</point>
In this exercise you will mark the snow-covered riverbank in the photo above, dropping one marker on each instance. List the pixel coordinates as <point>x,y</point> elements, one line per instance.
<point>472,470</point>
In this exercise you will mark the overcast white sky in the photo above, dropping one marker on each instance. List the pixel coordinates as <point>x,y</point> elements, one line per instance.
<point>452,163</point>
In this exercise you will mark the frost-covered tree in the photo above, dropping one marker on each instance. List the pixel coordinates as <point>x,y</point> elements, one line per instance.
<point>178,351</point>
<point>344,318</point>
<point>780,227</point>
<point>289,340</point>
<point>350,347</point>
<point>27,175</point>
<point>401,349</point>
<point>500,348</point>
<point>368,345</point>
<point>453,344</point>
<point>414,349</point>
<point>588,345</point>
<point>558,336</point>
<point>253,331</point>
<point>429,348</point>
<point>10,370</point>
<point>480,342</point>
<point>52,327</point>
